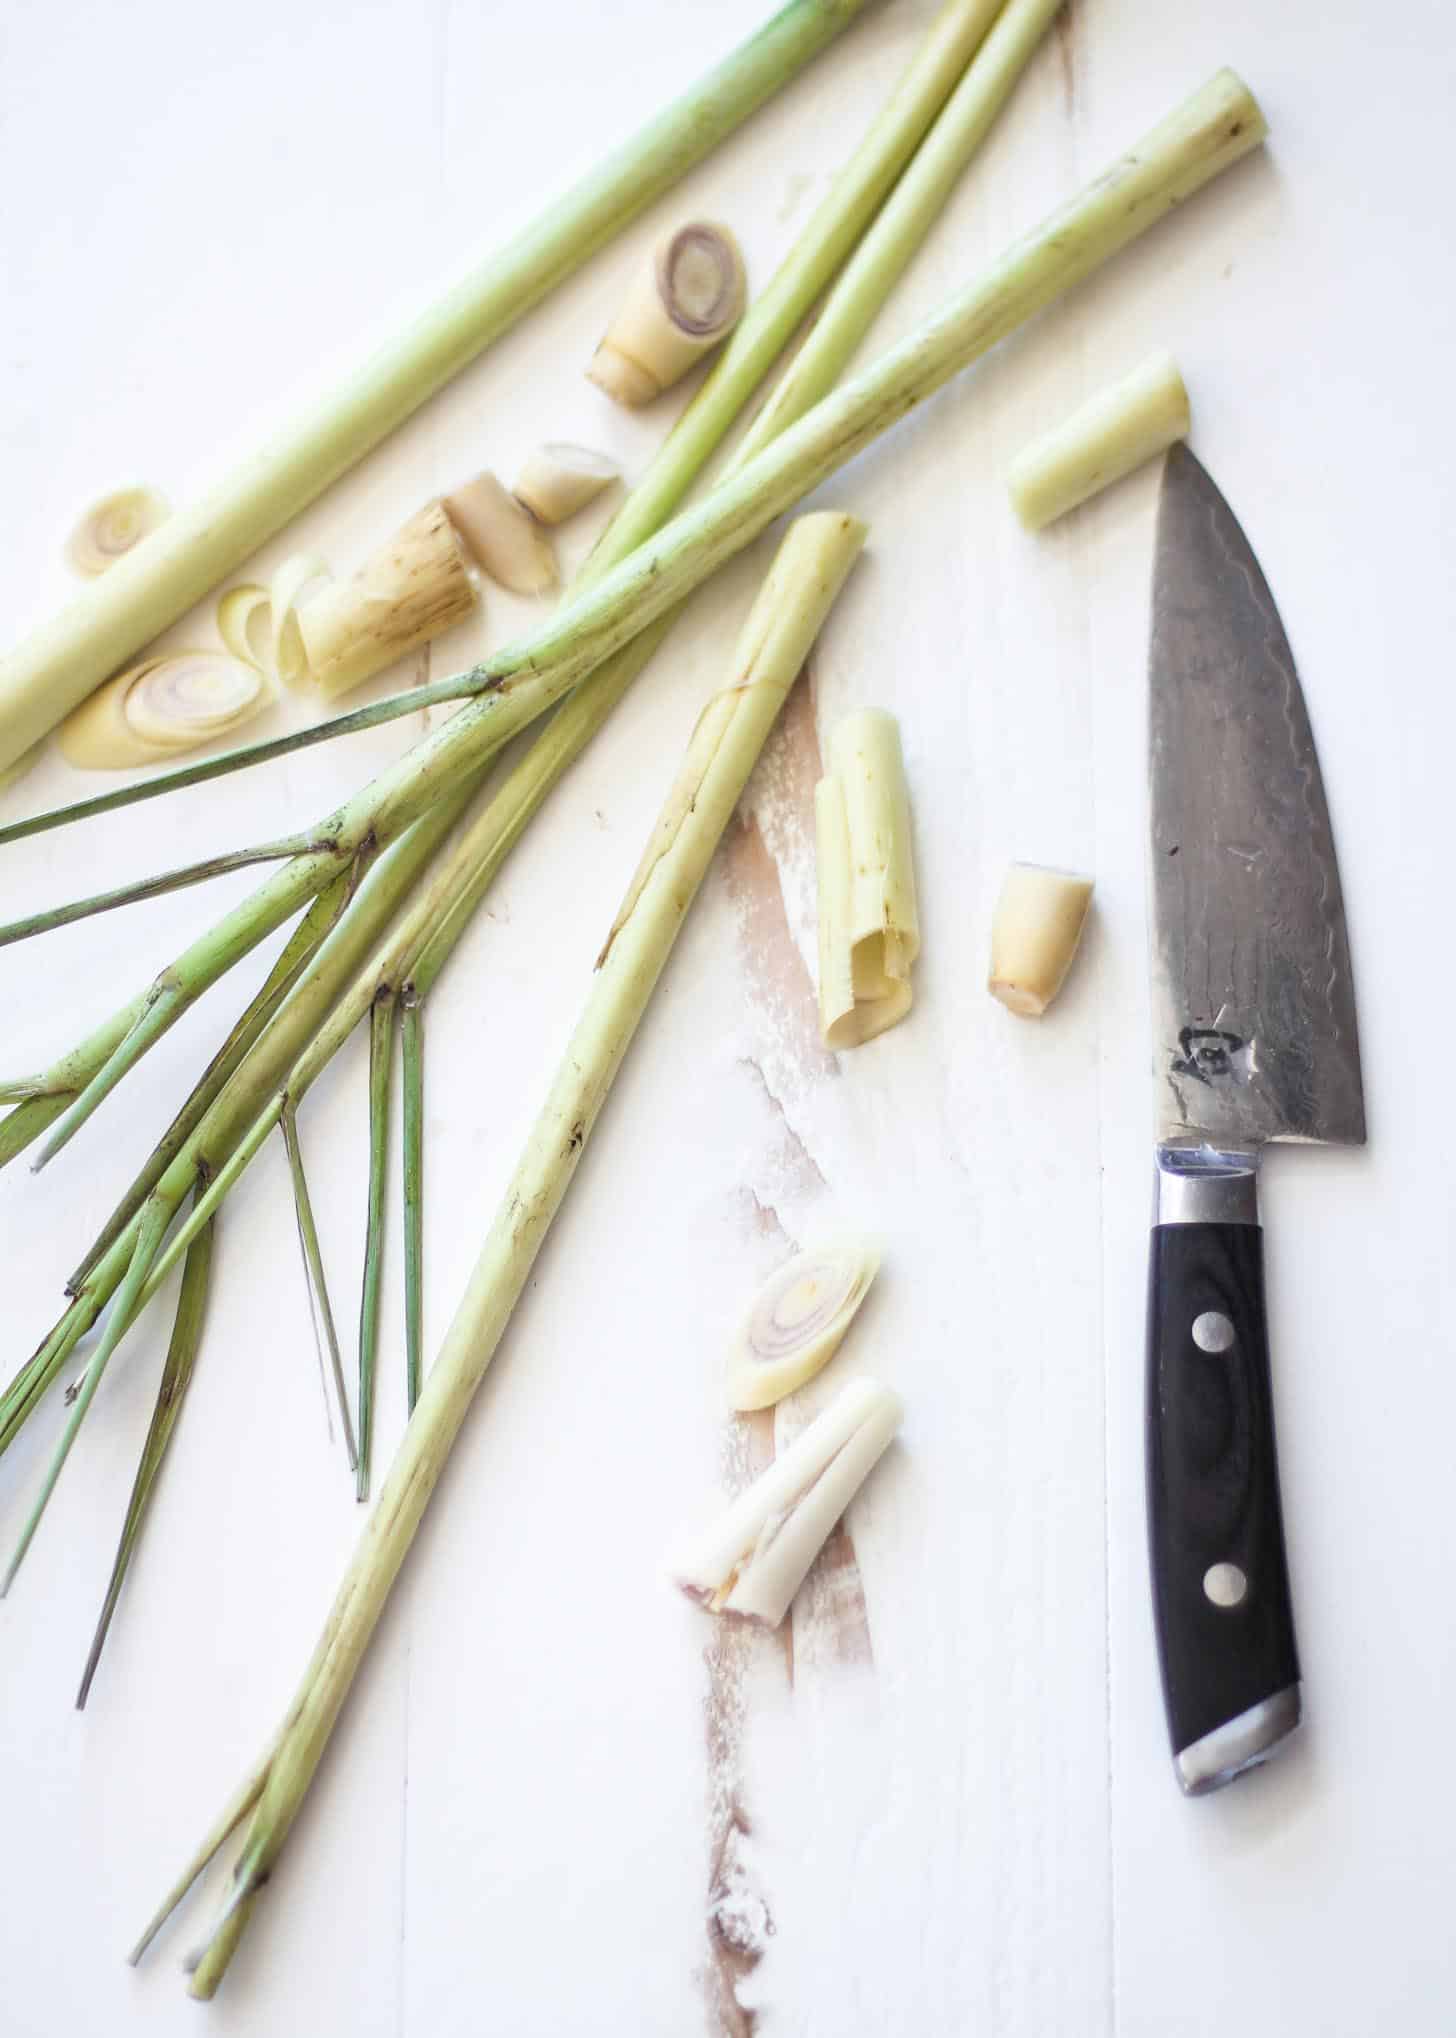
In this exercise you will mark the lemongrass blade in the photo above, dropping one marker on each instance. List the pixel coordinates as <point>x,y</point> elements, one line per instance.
<point>412,1057</point>
<point>149,888</point>
<point>320,1309</point>
<point>381,1063</point>
<point>237,1808</point>
<point>210,1199</point>
<point>161,1012</point>
<point>176,1379</point>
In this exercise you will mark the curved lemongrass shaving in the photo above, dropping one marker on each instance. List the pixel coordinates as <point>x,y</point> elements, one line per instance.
<point>687,297</point>
<point>1106,438</point>
<point>504,537</point>
<point>797,1319</point>
<point>1039,919</point>
<point>757,1554</point>
<point>285,591</point>
<point>559,480</point>
<point>869,929</point>
<point>160,707</point>
<point>409,591</point>
<point>237,612</point>
<point>111,527</point>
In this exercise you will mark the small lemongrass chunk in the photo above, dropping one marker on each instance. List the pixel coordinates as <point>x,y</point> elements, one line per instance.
<point>796,1321</point>
<point>159,707</point>
<point>757,1554</point>
<point>559,480</point>
<point>112,526</point>
<point>687,297</point>
<point>1106,438</point>
<point>1034,935</point>
<point>409,591</point>
<point>869,929</point>
<point>503,537</point>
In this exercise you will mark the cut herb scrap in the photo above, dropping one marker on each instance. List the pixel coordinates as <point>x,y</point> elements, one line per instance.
<point>1105,439</point>
<point>869,926</point>
<point>1034,935</point>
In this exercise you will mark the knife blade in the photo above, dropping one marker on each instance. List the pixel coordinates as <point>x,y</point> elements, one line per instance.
<point>1254,1040</point>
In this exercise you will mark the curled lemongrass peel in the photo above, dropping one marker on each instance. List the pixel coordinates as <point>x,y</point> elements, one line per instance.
<point>160,707</point>
<point>111,527</point>
<point>409,591</point>
<point>559,480</point>
<point>686,298</point>
<point>757,1554</point>
<point>286,590</point>
<point>1104,439</point>
<point>869,929</point>
<point>796,1321</point>
<point>503,536</point>
<point>239,610</point>
<point>1039,920</point>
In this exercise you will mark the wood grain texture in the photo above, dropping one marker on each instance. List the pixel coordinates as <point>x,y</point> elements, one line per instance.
<point>947,1789</point>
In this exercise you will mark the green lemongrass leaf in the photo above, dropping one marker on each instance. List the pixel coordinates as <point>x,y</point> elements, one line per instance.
<point>176,1378</point>
<point>412,1061</point>
<point>320,1309</point>
<point>150,888</point>
<point>164,1007</point>
<point>21,1127</point>
<point>381,1065</point>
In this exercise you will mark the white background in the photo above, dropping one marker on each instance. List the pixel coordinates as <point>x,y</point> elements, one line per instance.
<point>978,1830</point>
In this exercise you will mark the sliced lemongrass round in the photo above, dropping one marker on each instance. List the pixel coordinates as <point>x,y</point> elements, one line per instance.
<point>111,527</point>
<point>559,480</point>
<point>159,707</point>
<point>286,590</point>
<point>244,622</point>
<point>687,297</point>
<point>797,1319</point>
<point>504,537</point>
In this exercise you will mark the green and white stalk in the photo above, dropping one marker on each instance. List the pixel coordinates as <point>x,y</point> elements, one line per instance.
<point>185,557</point>
<point>807,574</point>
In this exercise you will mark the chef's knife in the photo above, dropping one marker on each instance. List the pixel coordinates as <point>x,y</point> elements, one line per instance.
<point>1254,1039</point>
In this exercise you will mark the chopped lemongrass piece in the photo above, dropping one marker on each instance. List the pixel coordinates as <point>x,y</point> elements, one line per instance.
<point>797,1319</point>
<point>409,591</point>
<point>237,613</point>
<point>869,932</point>
<point>757,1554</point>
<point>1039,919</point>
<point>686,298</point>
<point>559,480</point>
<point>286,590</point>
<point>504,537</point>
<point>160,707</point>
<point>1104,439</point>
<point>111,527</point>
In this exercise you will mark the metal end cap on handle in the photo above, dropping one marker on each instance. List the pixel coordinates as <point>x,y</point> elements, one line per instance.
<point>1239,1744</point>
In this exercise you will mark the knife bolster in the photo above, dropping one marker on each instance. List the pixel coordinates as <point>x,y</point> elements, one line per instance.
<point>1203,1185</point>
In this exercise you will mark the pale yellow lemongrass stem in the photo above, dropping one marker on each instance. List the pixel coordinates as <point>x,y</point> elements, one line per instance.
<point>1107,437</point>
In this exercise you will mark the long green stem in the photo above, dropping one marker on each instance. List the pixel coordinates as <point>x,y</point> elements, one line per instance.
<point>325,1335</point>
<point>381,1065</point>
<point>176,1379</point>
<point>150,888</point>
<point>59,664</point>
<point>412,1057</point>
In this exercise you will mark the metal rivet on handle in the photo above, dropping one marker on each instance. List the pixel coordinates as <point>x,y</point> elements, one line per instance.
<point>1212,1332</point>
<point>1225,1584</point>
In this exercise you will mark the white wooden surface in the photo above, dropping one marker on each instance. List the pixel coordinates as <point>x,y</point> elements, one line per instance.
<point>552,1770</point>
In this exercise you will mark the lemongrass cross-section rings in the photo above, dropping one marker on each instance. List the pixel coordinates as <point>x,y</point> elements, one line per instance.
<point>503,536</point>
<point>559,480</point>
<point>1111,434</point>
<point>159,707</point>
<point>684,300</point>
<point>1034,935</point>
<point>407,592</point>
<point>757,1554</point>
<point>111,527</point>
<point>796,1321</point>
<point>869,927</point>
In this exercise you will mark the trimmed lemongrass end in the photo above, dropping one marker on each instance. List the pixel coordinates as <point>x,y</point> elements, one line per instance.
<point>687,297</point>
<point>503,537</point>
<point>111,527</point>
<point>1115,431</point>
<point>559,480</point>
<point>1034,935</point>
<point>869,930</point>
<point>409,591</point>
<point>19,766</point>
<point>796,1321</point>
<point>757,1554</point>
<point>161,707</point>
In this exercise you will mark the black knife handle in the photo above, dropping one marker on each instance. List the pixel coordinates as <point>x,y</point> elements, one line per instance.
<point>1221,1600</point>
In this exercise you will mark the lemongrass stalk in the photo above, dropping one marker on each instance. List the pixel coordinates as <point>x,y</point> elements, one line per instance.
<point>412,1058</point>
<point>381,1065</point>
<point>195,548</point>
<point>810,568</point>
<point>176,1379</point>
<point>149,888</point>
<point>325,1335</point>
<point>770,322</point>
